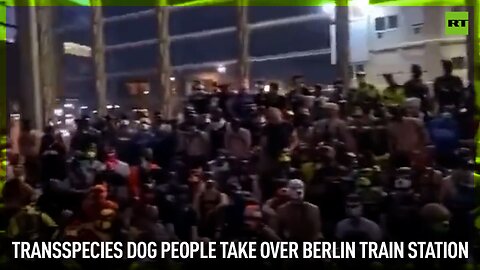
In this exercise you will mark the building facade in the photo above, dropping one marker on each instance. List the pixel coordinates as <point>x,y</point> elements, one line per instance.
<point>391,39</point>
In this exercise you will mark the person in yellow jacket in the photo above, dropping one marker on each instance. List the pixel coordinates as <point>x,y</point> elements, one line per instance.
<point>394,94</point>
<point>365,94</point>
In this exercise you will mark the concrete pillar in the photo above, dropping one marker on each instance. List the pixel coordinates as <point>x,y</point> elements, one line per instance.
<point>27,38</point>
<point>471,39</point>
<point>243,32</point>
<point>99,56</point>
<point>48,71</point>
<point>342,41</point>
<point>164,66</point>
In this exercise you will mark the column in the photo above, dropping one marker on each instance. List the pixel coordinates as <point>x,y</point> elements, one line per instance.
<point>342,42</point>
<point>243,32</point>
<point>99,56</point>
<point>164,67</point>
<point>47,59</point>
<point>471,40</point>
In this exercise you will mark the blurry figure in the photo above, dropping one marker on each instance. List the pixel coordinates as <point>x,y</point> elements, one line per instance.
<point>427,180</point>
<point>95,202</point>
<point>436,222</point>
<point>238,140</point>
<point>239,104</point>
<point>271,206</point>
<point>356,227</point>
<point>445,135</point>
<point>394,94</point>
<point>209,203</point>
<point>274,98</point>
<point>365,94</point>
<point>84,167</point>
<point>333,128</point>
<point>299,220</point>
<point>448,87</point>
<point>217,130</point>
<point>372,197</point>
<point>413,107</point>
<point>16,192</point>
<point>185,219</point>
<point>199,98</point>
<point>401,146</point>
<point>416,88</point>
<point>403,206</point>
<point>256,229</point>
<point>28,151</point>
<point>30,224</point>
<point>52,156</point>
<point>295,97</point>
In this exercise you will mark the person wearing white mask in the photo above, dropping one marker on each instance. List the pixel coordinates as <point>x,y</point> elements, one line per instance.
<point>299,220</point>
<point>356,227</point>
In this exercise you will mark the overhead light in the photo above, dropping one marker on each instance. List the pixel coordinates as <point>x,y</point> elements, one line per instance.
<point>58,112</point>
<point>68,115</point>
<point>266,88</point>
<point>109,107</point>
<point>95,112</point>
<point>146,92</point>
<point>117,106</point>
<point>84,107</point>
<point>172,79</point>
<point>59,122</point>
<point>221,69</point>
<point>68,105</point>
<point>15,116</point>
<point>329,9</point>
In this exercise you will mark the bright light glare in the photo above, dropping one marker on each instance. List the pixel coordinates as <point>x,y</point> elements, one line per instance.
<point>58,112</point>
<point>329,9</point>
<point>68,105</point>
<point>146,92</point>
<point>221,69</point>
<point>172,79</point>
<point>84,107</point>
<point>117,106</point>
<point>109,107</point>
<point>68,115</point>
<point>266,89</point>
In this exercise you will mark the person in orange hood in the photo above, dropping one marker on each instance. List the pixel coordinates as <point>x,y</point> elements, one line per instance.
<point>95,202</point>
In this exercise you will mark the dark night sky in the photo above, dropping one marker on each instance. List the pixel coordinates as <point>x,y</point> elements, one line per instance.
<point>297,37</point>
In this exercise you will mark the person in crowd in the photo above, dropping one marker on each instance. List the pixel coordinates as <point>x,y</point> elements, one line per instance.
<point>27,143</point>
<point>394,94</point>
<point>217,131</point>
<point>416,88</point>
<point>238,140</point>
<point>444,132</point>
<point>240,103</point>
<point>365,94</point>
<point>84,167</point>
<point>448,88</point>
<point>413,108</point>
<point>199,98</point>
<point>95,202</point>
<point>333,128</point>
<point>356,227</point>
<point>401,146</point>
<point>274,99</point>
<point>299,220</point>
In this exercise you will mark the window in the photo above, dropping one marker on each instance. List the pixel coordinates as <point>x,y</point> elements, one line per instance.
<point>386,23</point>
<point>392,21</point>
<point>380,24</point>
<point>459,62</point>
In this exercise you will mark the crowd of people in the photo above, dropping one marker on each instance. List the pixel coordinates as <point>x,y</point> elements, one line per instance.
<point>353,164</point>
